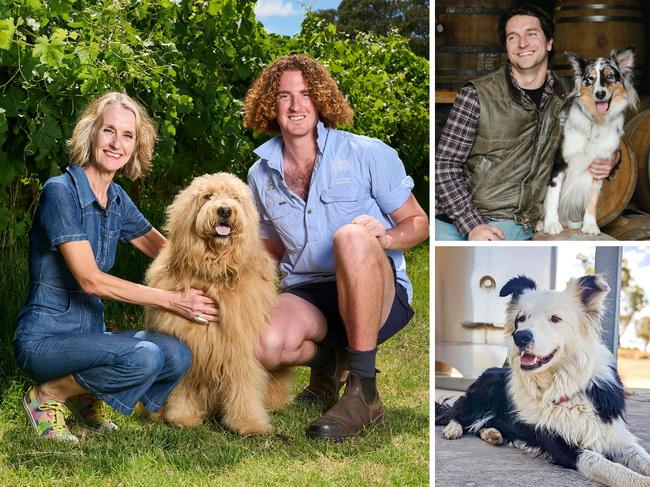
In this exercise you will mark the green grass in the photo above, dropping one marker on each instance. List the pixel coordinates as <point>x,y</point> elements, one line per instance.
<point>145,453</point>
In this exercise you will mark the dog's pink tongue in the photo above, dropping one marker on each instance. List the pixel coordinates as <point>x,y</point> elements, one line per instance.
<point>222,230</point>
<point>602,106</point>
<point>528,359</point>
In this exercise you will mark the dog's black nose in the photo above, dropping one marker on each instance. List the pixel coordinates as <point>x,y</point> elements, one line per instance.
<point>600,94</point>
<point>522,338</point>
<point>224,211</point>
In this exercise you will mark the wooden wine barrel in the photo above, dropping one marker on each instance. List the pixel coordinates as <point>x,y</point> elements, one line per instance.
<point>617,193</point>
<point>594,28</point>
<point>467,43</point>
<point>629,226</point>
<point>638,131</point>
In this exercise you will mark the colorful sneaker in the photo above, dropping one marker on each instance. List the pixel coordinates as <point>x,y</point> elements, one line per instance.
<point>48,418</point>
<point>88,410</point>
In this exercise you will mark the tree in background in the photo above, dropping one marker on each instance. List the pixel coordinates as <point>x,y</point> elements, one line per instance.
<point>643,331</point>
<point>633,297</point>
<point>409,17</point>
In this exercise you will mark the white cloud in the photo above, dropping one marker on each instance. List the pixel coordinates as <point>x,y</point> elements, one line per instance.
<point>275,8</point>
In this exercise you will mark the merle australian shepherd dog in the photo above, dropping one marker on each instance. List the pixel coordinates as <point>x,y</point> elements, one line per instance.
<point>561,396</point>
<point>602,93</point>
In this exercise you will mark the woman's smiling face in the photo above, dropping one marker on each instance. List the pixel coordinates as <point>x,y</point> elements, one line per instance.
<point>114,140</point>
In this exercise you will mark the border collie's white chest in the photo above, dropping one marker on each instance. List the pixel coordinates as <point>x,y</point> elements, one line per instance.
<point>585,141</point>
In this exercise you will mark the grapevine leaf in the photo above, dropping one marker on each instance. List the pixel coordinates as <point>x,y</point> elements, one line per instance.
<point>7,29</point>
<point>50,53</point>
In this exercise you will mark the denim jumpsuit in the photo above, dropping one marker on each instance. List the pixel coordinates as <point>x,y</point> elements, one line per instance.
<point>61,329</point>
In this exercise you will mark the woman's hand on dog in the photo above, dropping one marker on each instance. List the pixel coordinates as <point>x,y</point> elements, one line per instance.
<point>196,306</point>
<point>600,168</point>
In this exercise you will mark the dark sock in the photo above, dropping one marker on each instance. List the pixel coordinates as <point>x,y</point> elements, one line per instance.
<point>324,358</point>
<point>362,363</point>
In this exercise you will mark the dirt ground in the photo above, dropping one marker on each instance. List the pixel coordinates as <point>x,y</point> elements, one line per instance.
<point>634,368</point>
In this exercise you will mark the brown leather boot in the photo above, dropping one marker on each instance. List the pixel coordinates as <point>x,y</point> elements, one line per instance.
<point>324,386</point>
<point>351,414</point>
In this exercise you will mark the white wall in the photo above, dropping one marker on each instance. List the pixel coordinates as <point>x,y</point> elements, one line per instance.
<point>460,298</point>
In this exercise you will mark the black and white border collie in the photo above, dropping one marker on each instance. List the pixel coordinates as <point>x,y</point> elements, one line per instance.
<point>602,92</point>
<point>561,396</point>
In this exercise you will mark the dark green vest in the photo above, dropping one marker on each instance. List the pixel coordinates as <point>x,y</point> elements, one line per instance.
<point>510,164</point>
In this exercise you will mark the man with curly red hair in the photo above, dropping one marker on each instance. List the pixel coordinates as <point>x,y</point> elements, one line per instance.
<point>336,211</point>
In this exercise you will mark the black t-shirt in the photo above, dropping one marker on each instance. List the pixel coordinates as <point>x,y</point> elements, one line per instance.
<point>536,94</point>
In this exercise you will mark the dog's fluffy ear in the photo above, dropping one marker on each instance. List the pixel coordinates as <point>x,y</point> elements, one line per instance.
<point>181,213</point>
<point>516,286</point>
<point>577,63</point>
<point>625,60</point>
<point>591,291</point>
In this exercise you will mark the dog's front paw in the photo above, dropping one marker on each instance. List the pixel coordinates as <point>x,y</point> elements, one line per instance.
<point>590,229</point>
<point>248,423</point>
<point>553,227</point>
<point>183,421</point>
<point>453,430</point>
<point>491,435</point>
<point>251,427</point>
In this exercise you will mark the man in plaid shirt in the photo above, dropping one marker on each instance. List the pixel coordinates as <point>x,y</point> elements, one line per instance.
<point>461,214</point>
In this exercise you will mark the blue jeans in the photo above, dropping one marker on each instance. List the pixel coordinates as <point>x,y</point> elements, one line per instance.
<point>120,368</point>
<point>511,230</point>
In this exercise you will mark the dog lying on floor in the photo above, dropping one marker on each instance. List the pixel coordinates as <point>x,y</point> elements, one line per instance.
<point>602,93</point>
<point>562,396</point>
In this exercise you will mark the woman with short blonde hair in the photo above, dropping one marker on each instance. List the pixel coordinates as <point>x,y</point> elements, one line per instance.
<point>86,128</point>
<point>61,339</point>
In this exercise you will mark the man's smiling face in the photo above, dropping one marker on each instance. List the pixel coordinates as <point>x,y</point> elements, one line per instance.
<point>526,44</point>
<point>296,113</point>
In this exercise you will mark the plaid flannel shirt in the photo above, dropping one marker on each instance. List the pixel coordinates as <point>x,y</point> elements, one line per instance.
<point>452,196</point>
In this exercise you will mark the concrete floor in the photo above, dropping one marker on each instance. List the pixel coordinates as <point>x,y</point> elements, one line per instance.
<point>471,462</point>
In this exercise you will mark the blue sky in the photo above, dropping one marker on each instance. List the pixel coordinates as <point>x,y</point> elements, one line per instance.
<point>284,16</point>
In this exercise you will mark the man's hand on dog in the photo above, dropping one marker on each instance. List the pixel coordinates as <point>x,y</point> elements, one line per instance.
<point>486,232</point>
<point>196,306</point>
<point>600,168</point>
<point>375,228</point>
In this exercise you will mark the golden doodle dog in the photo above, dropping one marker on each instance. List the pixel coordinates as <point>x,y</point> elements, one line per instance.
<point>214,245</point>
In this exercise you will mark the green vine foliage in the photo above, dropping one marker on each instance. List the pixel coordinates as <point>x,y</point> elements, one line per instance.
<point>190,63</point>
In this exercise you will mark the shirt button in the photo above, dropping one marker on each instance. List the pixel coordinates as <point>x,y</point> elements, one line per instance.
<point>309,212</point>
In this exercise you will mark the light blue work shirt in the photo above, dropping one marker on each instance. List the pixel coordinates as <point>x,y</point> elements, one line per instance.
<point>353,175</point>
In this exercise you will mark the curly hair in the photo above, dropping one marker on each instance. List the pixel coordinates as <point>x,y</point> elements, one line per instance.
<point>84,133</point>
<point>260,105</point>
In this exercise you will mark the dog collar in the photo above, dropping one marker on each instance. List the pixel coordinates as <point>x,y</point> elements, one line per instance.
<point>559,401</point>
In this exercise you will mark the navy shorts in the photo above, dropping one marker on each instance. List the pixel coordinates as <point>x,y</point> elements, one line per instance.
<point>323,295</point>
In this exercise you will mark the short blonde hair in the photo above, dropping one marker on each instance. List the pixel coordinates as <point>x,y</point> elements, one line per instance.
<point>85,130</point>
<point>260,105</point>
